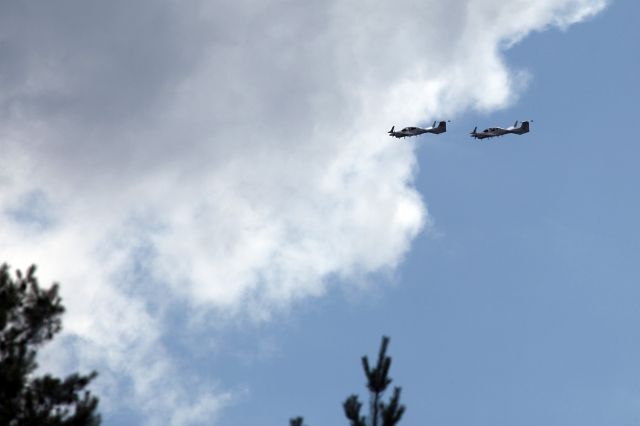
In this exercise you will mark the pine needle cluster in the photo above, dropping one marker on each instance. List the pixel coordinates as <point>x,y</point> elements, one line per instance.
<point>378,380</point>
<point>30,316</point>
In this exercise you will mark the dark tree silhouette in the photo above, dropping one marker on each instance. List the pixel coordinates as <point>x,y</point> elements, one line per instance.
<point>380,413</point>
<point>296,421</point>
<point>29,317</point>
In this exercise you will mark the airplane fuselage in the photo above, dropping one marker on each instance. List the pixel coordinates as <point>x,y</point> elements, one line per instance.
<point>408,131</point>
<point>416,131</point>
<point>500,131</point>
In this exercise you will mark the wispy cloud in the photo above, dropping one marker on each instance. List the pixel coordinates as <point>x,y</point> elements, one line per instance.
<point>230,156</point>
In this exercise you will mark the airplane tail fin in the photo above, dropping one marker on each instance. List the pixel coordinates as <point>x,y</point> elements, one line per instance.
<point>475,129</point>
<point>515,124</point>
<point>392,128</point>
<point>434,124</point>
<point>442,125</point>
<point>524,128</point>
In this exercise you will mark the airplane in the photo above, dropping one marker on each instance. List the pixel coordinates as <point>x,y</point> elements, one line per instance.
<point>492,132</point>
<point>416,131</point>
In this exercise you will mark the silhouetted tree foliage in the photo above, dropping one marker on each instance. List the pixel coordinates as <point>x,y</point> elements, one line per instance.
<point>380,413</point>
<point>296,421</point>
<point>29,317</point>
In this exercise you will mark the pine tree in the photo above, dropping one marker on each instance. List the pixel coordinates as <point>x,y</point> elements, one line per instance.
<point>380,413</point>
<point>29,317</point>
<point>296,421</point>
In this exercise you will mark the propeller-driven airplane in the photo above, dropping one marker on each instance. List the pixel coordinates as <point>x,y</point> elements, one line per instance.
<point>416,131</point>
<point>492,132</point>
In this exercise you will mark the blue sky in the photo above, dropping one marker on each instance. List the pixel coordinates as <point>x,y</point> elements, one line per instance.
<point>521,307</point>
<point>222,175</point>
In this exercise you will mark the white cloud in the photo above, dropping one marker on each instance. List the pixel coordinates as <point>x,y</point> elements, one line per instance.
<point>233,153</point>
